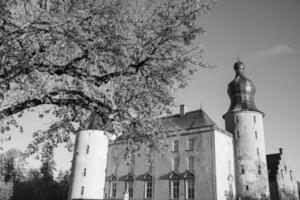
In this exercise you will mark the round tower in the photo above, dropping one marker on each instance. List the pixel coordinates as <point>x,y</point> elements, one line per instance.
<point>245,122</point>
<point>89,162</point>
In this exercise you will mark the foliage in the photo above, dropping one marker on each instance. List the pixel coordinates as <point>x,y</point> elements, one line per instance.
<point>13,166</point>
<point>120,59</point>
<point>41,186</point>
<point>33,174</point>
<point>6,190</point>
<point>47,170</point>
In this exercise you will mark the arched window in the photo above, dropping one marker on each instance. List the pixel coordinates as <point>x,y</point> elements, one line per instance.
<point>174,185</point>
<point>190,189</point>
<point>148,189</point>
<point>113,189</point>
<point>174,189</point>
<point>189,184</point>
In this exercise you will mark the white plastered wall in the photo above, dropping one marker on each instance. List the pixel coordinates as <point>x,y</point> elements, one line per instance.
<point>92,161</point>
<point>224,163</point>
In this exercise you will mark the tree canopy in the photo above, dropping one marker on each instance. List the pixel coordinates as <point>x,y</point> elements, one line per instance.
<point>121,59</point>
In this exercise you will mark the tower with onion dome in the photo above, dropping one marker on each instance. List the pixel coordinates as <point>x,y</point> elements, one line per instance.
<point>245,122</point>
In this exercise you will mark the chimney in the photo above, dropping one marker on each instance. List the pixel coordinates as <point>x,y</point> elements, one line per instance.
<point>182,110</point>
<point>281,150</point>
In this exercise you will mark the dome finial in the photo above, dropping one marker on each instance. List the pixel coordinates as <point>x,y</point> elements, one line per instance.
<point>239,67</point>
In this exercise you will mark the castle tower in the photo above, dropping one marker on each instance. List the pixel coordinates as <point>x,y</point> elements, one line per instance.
<point>245,122</point>
<point>89,162</point>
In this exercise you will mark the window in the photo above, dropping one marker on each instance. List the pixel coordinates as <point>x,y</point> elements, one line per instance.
<point>113,189</point>
<point>87,149</point>
<point>190,163</point>
<point>190,144</point>
<point>175,146</point>
<point>255,134</point>
<point>114,168</point>
<point>242,169</point>
<point>237,119</point>
<point>129,185</point>
<point>254,119</point>
<point>291,175</point>
<point>175,164</point>
<point>148,189</point>
<point>190,189</point>
<point>247,187</point>
<point>284,167</point>
<point>82,190</point>
<point>259,169</point>
<point>149,166</point>
<point>115,152</point>
<point>282,173</point>
<point>174,189</point>
<point>238,134</point>
<point>84,172</point>
<point>257,151</point>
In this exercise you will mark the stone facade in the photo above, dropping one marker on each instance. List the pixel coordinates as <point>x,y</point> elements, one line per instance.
<point>250,157</point>
<point>195,164</point>
<point>283,185</point>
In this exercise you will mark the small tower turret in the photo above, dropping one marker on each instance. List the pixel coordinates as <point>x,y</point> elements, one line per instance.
<point>89,162</point>
<point>245,122</point>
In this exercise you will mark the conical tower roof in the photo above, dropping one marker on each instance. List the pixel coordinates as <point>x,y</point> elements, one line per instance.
<point>92,122</point>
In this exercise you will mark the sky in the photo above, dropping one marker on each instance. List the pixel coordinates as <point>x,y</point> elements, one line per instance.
<point>265,35</point>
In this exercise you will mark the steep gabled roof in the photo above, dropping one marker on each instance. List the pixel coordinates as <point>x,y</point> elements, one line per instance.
<point>273,162</point>
<point>191,120</point>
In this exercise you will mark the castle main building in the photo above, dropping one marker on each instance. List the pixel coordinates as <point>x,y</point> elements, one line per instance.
<point>202,162</point>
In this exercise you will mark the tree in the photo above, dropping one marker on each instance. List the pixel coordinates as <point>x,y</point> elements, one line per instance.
<point>47,170</point>
<point>13,166</point>
<point>120,59</point>
<point>33,174</point>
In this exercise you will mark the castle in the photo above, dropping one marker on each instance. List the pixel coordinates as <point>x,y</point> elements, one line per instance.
<point>202,162</point>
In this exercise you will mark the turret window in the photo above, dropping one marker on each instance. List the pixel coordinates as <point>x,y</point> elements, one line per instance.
<point>247,187</point>
<point>291,175</point>
<point>84,172</point>
<point>238,134</point>
<point>257,151</point>
<point>259,170</point>
<point>87,149</point>
<point>82,190</point>
<point>254,119</point>
<point>242,169</point>
<point>237,119</point>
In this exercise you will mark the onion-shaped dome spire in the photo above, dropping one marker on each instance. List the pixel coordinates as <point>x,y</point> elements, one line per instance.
<point>241,91</point>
